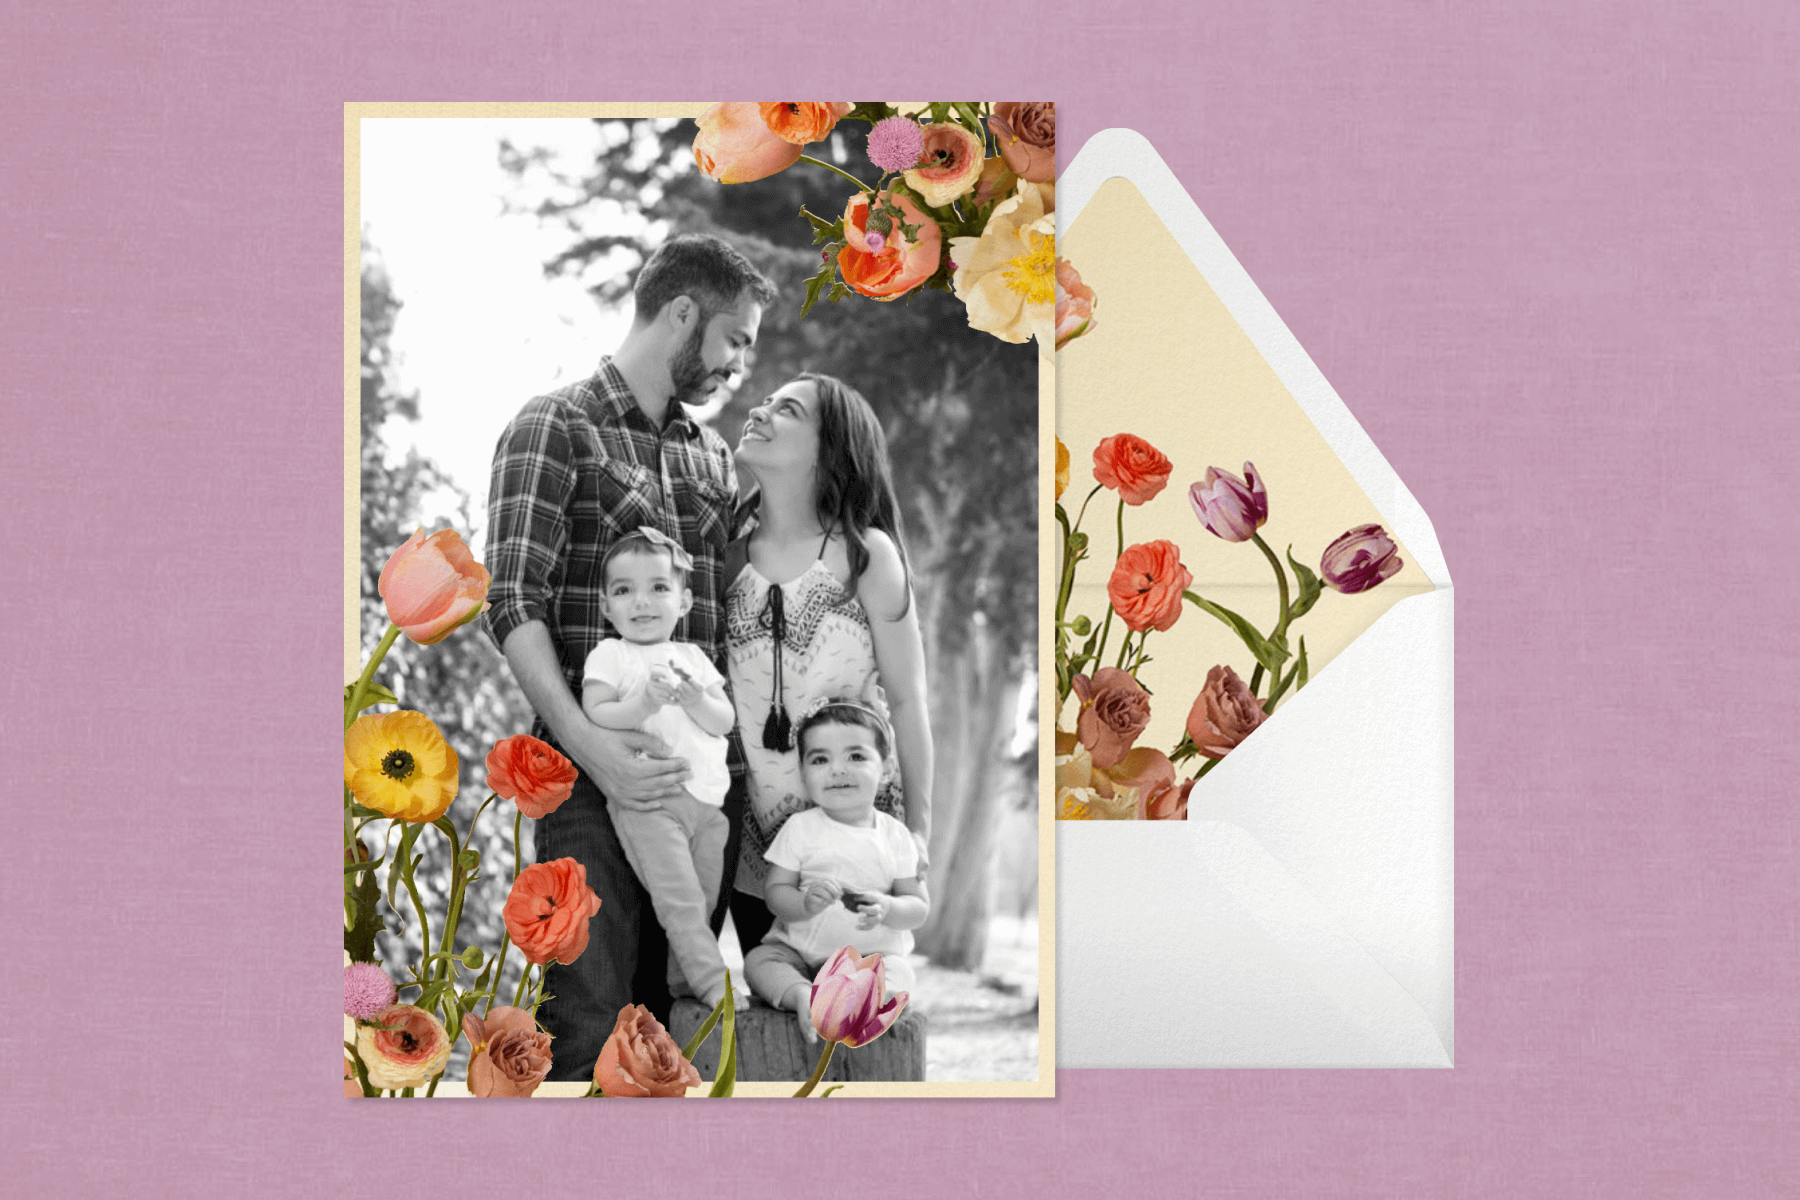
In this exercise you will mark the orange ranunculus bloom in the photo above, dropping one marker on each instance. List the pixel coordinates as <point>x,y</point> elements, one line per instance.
<point>801,122</point>
<point>640,1059</point>
<point>1062,468</point>
<point>531,774</point>
<point>548,911</point>
<point>886,266</point>
<point>735,146</point>
<point>432,585</point>
<point>1131,466</point>
<point>1146,585</point>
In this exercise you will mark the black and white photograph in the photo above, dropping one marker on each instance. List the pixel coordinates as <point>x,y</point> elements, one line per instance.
<point>693,719</point>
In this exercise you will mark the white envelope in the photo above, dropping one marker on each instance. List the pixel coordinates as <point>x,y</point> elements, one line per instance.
<point>1302,916</point>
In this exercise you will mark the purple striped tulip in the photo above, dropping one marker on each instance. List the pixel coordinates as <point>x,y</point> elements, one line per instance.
<point>1231,508</point>
<point>846,999</point>
<point>1360,559</point>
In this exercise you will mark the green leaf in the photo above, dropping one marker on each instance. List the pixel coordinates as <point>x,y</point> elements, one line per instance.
<point>833,1088</point>
<point>364,866</point>
<point>1309,589</point>
<point>444,826</point>
<point>726,1083</point>
<point>358,810</point>
<point>359,939</point>
<point>817,284</point>
<point>699,1038</point>
<point>1300,667</point>
<point>1270,653</point>
<point>373,694</point>
<point>971,117</point>
<point>940,111</point>
<point>823,230</point>
<point>408,834</point>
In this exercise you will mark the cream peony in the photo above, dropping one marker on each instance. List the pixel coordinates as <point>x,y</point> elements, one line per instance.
<point>1007,276</point>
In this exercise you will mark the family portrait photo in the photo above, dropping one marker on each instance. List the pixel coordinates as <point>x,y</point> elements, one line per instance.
<point>692,727</point>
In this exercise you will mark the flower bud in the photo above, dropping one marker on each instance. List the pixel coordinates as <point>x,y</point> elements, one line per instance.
<point>1229,507</point>
<point>1082,626</point>
<point>472,958</point>
<point>468,860</point>
<point>1360,559</point>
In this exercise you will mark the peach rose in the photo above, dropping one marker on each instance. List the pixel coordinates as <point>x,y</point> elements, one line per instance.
<point>548,910</point>
<point>1027,136</point>
<point>997,179</point>
<point>801,122</point>
<point>735,145</point>
<point>640,1059</point>
<point>432,585</point>
<point>1114,710</point>
<point>1224,713</point>
<point>885,264</point>
<point>1146,585</point>
<point>1163,797</point>
<point>531,774</point>
<point>1132,467</point>
<point>403,1047</point>
<point>1074,305</point>
<point>950,164</point>
<point>508,1054</point>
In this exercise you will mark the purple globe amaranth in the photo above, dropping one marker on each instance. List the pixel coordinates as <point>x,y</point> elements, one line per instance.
<point>1229,507</point>
<point>1360,559</point>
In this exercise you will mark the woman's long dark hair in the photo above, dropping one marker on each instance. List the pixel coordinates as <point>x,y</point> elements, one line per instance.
<point>855,483</point>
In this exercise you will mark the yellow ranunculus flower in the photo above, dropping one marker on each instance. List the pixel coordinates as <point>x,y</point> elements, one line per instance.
<point>399,764</point>
<point>1062,468</point>
<point>1007,276</point>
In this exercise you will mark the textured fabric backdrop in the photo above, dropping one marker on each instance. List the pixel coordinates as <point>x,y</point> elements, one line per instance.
<point>1547,258</point>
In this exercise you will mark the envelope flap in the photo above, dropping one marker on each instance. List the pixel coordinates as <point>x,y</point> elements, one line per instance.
<point>1123,153</point>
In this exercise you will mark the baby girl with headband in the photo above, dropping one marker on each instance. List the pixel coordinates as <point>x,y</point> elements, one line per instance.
<point>840,874</point>
<point>642,680</point>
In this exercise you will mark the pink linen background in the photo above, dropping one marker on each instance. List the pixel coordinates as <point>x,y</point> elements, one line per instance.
<point>1548,259</point>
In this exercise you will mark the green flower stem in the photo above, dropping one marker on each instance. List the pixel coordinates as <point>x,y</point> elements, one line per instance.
<point>406,876</point>
<point>506,937</point>
<point>525,977</point>
<point>1084,503</point>
<point>1121,551</point>
<point>1256,679</point>
<point>1280,578</point>
<point>1105,632</point>
<point>1125,649</point>
<point>354,704</point>
<point>860,185</point>
<point>818,1072</point>
<point>1210,764</point>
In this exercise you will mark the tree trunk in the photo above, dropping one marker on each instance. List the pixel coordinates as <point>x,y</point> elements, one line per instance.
<point>962,876</point>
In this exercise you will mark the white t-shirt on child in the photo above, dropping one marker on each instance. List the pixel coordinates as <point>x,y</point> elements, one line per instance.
<point>863,859</point>
<point>625,667</point>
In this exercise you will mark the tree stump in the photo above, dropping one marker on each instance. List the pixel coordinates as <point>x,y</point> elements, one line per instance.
<point>771,1047</point>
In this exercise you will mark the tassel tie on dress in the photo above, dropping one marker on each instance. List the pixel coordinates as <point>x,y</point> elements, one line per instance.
<point>778,730</point>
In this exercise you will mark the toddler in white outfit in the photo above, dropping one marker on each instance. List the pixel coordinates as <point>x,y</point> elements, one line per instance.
<point>642,680</point>
<point>842,873</point>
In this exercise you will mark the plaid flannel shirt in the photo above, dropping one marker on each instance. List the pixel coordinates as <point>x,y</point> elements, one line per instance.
<point>576,470</point>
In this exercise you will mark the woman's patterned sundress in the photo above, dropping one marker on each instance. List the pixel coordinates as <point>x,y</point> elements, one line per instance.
<point>826,654</point>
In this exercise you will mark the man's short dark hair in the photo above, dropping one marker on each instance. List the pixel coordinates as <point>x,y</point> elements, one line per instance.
<point>710,270</point>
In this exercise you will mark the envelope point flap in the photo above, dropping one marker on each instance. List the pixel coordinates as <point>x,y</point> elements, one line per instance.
<point>1123,153</point>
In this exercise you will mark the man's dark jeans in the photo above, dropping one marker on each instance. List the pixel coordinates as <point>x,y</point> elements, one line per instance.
<point>626,956</point>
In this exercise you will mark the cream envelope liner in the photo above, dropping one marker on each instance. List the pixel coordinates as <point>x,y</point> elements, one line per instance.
<point>1303,915</point>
